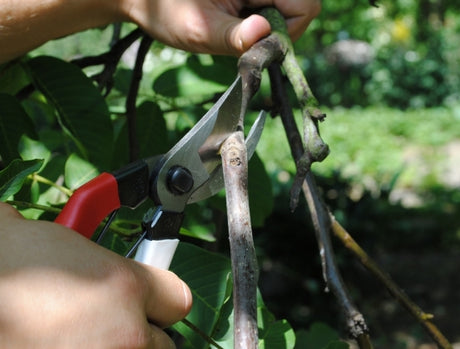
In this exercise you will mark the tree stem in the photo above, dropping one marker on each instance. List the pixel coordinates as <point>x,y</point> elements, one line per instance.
<point>243,256</point>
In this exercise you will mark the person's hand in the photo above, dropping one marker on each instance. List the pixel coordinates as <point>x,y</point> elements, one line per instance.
<point>206,26</point>
<point>60,290</point>
<point>214,26</point>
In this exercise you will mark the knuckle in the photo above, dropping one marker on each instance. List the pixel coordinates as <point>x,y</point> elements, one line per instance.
<point>137,337</point>
<point>125,280</point>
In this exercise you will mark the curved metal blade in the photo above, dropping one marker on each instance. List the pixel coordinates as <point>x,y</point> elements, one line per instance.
<point>216,178</point>
<point>192,151</point>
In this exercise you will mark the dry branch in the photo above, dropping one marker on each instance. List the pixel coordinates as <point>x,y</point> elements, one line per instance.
<point>425,319</point>
<point>356,324</point>
<point>243,256</point>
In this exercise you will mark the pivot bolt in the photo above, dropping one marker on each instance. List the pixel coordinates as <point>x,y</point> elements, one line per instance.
<point>179,180</point>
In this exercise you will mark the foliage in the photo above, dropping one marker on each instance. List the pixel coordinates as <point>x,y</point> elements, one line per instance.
<point>415,62</point>
<point>59,131</point>
<point>13,177</point>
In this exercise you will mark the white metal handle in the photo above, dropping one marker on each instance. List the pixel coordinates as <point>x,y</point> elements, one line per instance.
<point>157,253</point>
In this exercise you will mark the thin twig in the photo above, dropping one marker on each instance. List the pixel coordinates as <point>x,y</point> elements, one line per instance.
<point>203,335</point>
<point>26,204</point>
<point>423,318</point>
<point>116,33</point>
<point>109,59</point>
<point>144,47</point>
<point>40,179</point>
<point>243,256</point>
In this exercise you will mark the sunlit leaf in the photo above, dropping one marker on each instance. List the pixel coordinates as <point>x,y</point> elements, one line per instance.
<point>13,176</point>
<point>78,171</point>
<point>199,232</point>
<point>53,170</point>
<point>195,79</point>
<point>32,149</point>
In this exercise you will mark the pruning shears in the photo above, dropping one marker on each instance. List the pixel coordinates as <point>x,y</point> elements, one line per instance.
<point>190,171</point>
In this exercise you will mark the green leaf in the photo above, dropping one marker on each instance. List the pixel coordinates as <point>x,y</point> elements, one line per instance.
<point>115,243</point>
<point>52,170</point>
<point>207,275</point>
<point>195,79</point>
<point>31,149</point>
<point>82,111</point>
<point>78,171</point>
<point>12,77</point>
<point>12,177</point>
<point>274,334</point>
<point>151,133</point>
<point>14,122</point>
<point>220,69</point>
<point>122,80</point>
<point>338,345</point>
<point>199,232</point>
<point>209,278</point>
<point>319,336</point>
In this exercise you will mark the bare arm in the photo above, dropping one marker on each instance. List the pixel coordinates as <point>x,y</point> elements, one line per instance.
<point>193,25</point>
<point>27,24</point>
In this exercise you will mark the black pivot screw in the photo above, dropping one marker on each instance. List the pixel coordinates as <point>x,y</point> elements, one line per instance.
<point>179,180</point>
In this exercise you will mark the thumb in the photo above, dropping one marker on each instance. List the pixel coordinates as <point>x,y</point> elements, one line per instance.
<point>240,35</point>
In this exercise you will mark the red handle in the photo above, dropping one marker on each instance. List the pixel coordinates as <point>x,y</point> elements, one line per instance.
<point>90,204</point>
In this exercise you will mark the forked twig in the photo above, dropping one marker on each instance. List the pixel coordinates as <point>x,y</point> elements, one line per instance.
<point>109,59</point>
